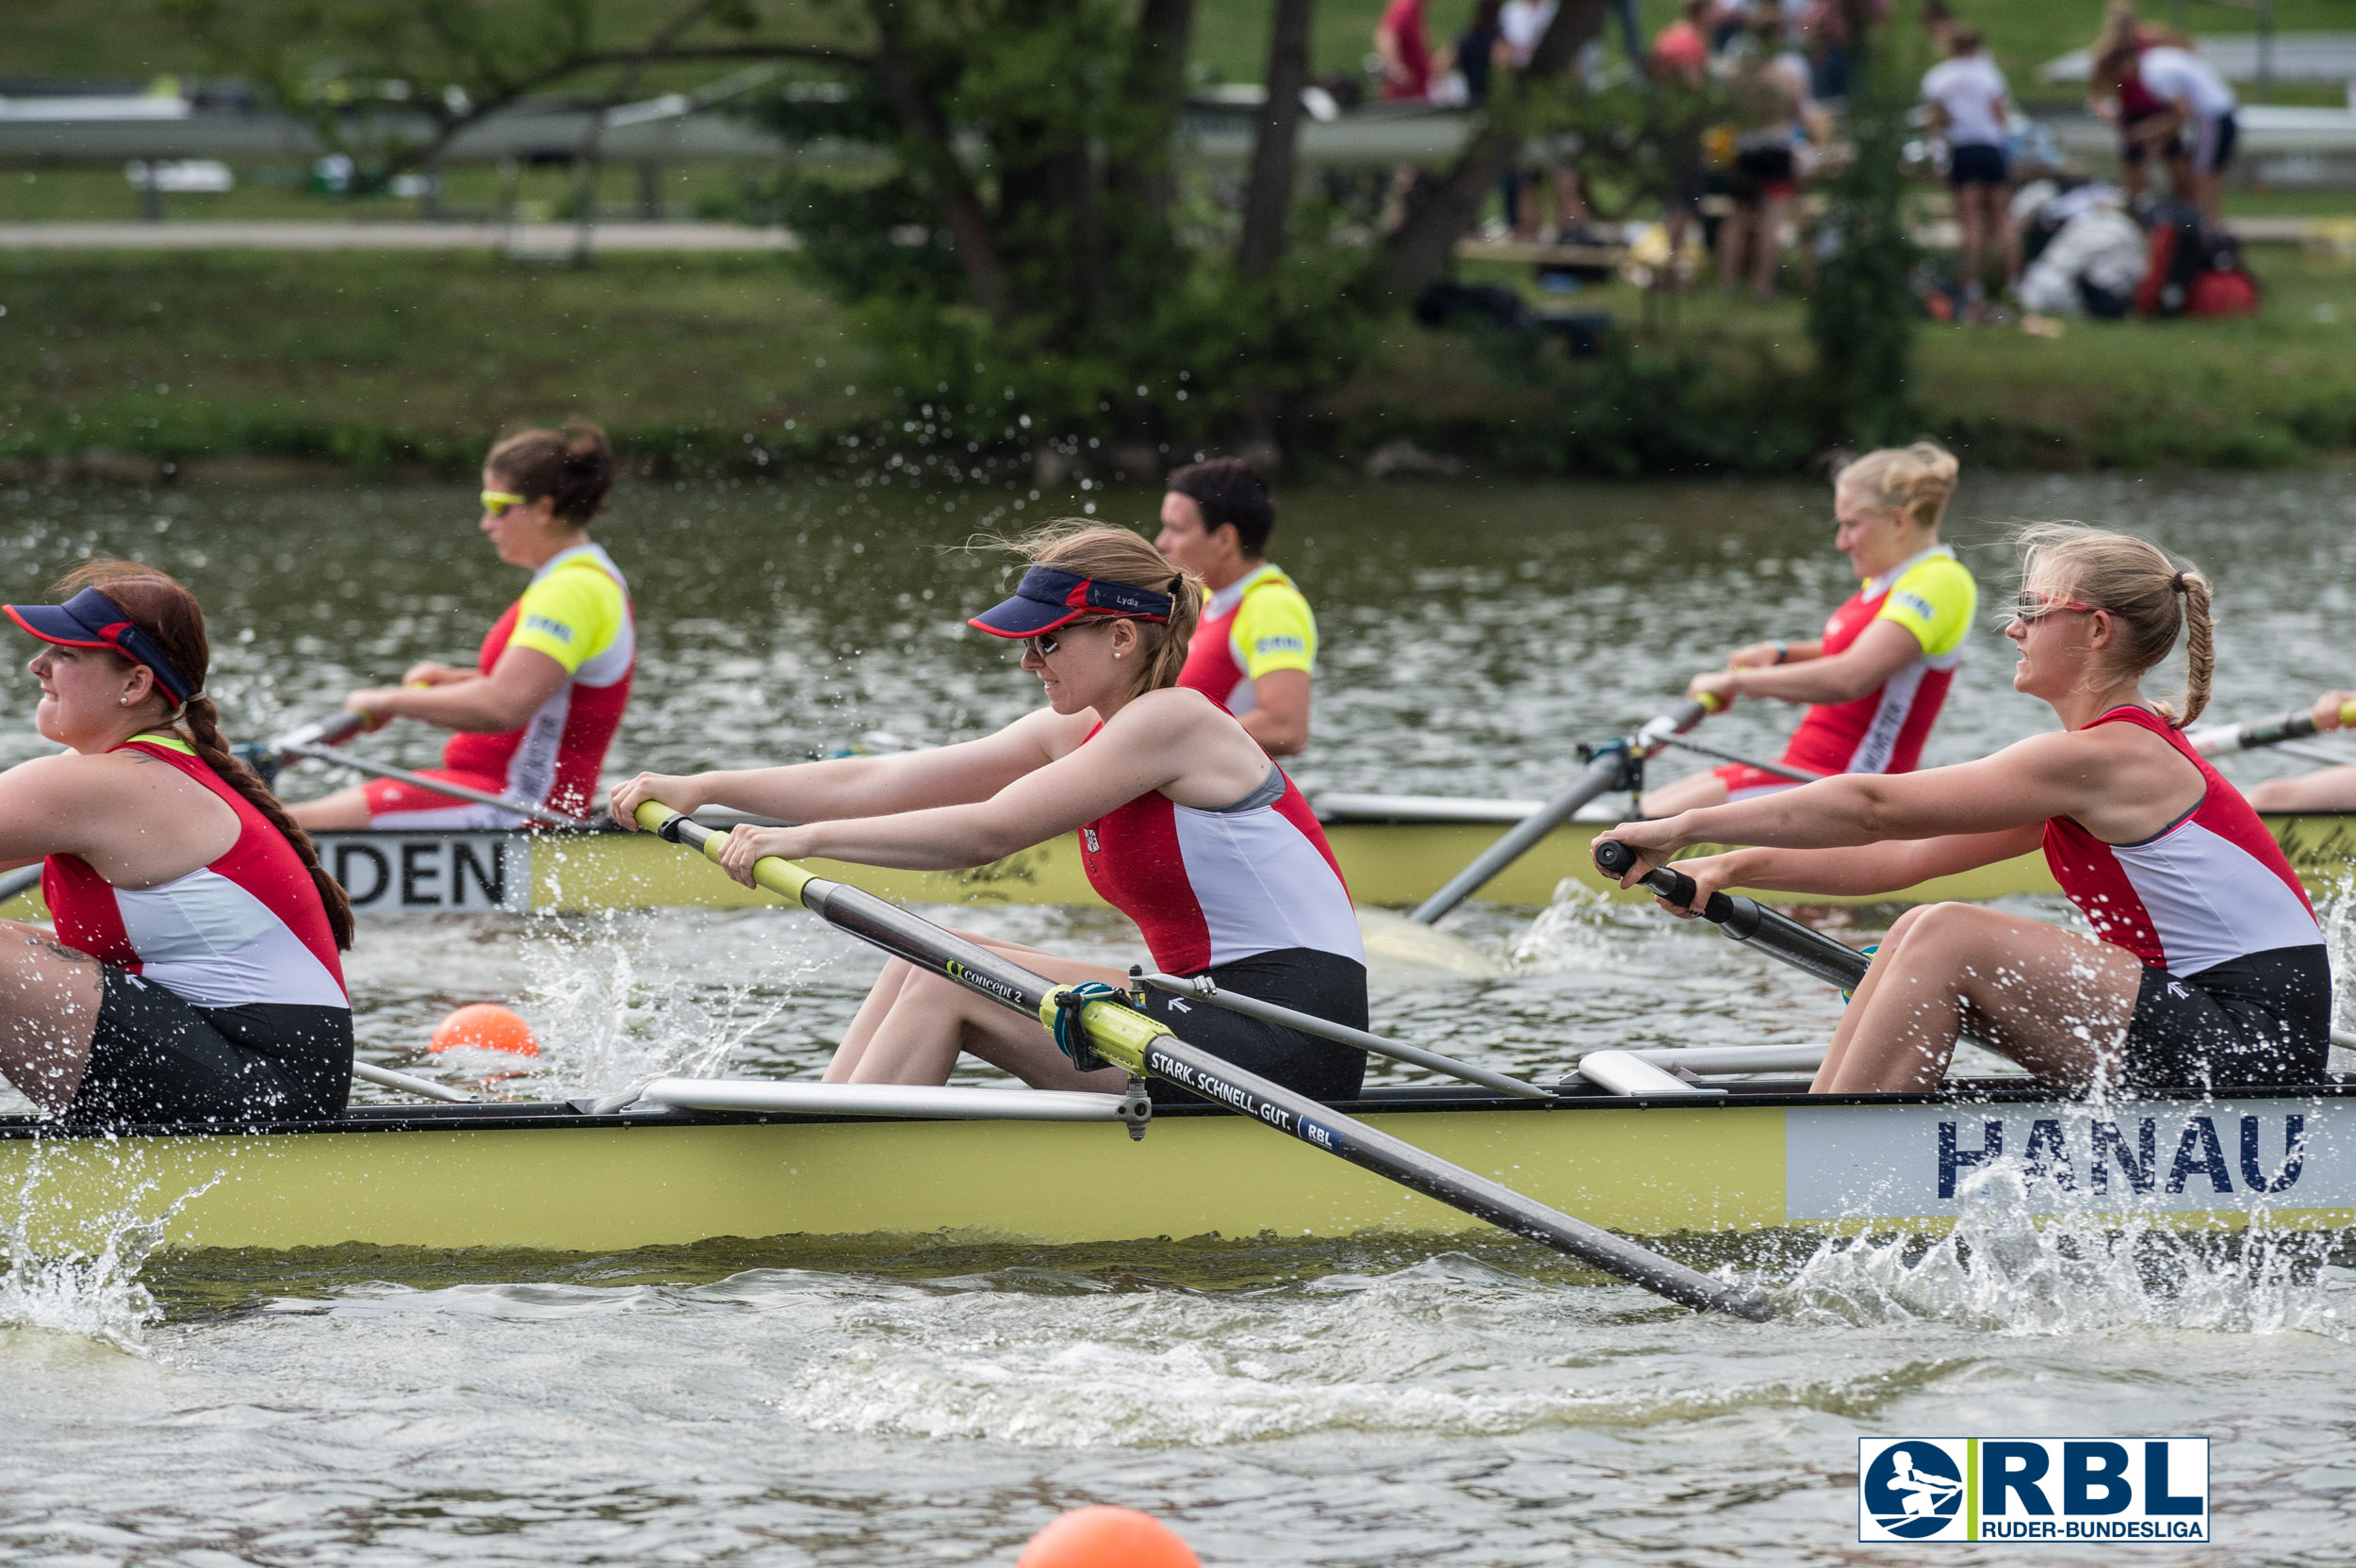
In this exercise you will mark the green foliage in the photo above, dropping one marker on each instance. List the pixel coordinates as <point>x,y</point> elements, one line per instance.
<point>1862,314</point>
<point>1112,327</point>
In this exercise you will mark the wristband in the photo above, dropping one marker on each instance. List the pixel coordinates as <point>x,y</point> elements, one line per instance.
<point>1783,650</point>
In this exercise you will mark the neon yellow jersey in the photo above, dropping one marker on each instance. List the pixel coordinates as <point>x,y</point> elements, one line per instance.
<point>574,610</point>
<point>1934,599</point>
<point>1256,625</point>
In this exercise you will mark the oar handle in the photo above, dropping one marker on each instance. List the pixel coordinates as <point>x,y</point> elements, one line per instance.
<point>1745,920</point>
<point>786,878</point>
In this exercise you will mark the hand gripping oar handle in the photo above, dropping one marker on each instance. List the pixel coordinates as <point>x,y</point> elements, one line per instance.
<point>1746,920</point>
<point>1608,771</point>
<point>1143,1045</point>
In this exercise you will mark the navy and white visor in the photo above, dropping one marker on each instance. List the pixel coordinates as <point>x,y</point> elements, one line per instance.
<point>92,620</point>
<point>1049,597</point>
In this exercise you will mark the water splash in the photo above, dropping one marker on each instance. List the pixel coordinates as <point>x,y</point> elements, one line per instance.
<point>611,1012</point>
<point>1576,931</point>
<point>2002,1269</point>
<point>92,1292</point>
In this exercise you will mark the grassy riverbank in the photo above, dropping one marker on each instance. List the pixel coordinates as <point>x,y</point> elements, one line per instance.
<point>387,362</point>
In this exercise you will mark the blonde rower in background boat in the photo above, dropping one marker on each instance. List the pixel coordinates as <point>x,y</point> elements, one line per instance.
<point>1876,679</point>
<point>2206,969</point>
<point>1185,826</point>
<point>536,713</point>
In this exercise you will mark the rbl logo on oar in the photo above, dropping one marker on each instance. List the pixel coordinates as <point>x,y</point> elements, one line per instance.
<point>2092,1488</point>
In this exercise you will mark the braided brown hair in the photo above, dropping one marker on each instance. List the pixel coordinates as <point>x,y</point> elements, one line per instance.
<point>166,611</point>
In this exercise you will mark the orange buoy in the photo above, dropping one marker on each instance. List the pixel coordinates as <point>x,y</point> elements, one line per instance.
<point>1102,1537</point>
<point>485,1026</point>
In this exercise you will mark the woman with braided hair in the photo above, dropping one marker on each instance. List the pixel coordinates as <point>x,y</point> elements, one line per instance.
<point>193,973</point>
<point>1185,826</point>
<point>2206,969</point>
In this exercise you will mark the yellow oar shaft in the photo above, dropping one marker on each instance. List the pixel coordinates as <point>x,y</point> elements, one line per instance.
<point>1145,1047</point>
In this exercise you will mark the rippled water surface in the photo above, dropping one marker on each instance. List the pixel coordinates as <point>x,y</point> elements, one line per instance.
<point>1373,1402</point>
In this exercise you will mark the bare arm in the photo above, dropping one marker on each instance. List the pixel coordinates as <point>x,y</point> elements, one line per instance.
<point>1173,741</point>
<point>864,786</point>
<point>1884,650</point>
<point>1281,721</point>
<point>2121,783</point>
<point>1861,871</point>
<point>482,703</point>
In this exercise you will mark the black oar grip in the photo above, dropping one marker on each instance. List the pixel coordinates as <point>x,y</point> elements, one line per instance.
<point>1615,859</point>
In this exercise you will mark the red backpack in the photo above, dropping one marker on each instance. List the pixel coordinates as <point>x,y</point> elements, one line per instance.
<point>2193,270</point>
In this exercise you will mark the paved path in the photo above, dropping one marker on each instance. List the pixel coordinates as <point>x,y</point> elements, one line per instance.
<point>530,240</point>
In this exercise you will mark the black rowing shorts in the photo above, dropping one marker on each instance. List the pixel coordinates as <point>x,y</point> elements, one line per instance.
<point>157,1057</point>
<point>2265,1018</point>
<point>1324,984</point>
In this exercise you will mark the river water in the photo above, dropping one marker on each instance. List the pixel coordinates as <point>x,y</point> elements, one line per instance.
<point>1370,1402</point>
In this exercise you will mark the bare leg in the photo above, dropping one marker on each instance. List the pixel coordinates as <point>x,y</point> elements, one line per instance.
<point>2000,220</point>
<point>1767,247</point>
<point>345,811</point>
<point>2324,789</point>
<point>1974,259</point>
<point>49,997</point>
<point>2055,1001</point>
<point>914,1024</point>
<point>1731,233</point>
<point>1692,792</point>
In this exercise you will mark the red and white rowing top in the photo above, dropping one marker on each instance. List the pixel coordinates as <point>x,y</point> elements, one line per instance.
<point>2210,887</point>
<point>247,930</point>
<point>577,611</point>
<point>1933,597</point>
<point>1210,886</point>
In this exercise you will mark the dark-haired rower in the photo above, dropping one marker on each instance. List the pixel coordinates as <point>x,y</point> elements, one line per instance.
<point>536,713</point>
<point>193,974</point>
<point>1257,645</point>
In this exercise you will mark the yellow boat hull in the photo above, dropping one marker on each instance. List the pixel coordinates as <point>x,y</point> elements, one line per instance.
<point>543,1178</point>
<point>1394,864</point>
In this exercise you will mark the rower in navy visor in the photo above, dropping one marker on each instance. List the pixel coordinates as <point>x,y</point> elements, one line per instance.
<point>1185,826</point>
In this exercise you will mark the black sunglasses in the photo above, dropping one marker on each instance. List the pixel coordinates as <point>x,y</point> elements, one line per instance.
<point>1046,643</point>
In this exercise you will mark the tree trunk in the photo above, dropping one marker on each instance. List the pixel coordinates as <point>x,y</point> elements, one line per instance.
<point>1268,198</point>
<point>1138,170</point>
<point>930,148</point>
<point>1422,247</point>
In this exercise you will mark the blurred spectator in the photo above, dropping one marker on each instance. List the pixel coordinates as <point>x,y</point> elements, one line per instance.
<point>1522,24</point>
<point>2201,109</point>
<point>1680,60</point>
<point>2089,254</point>
<point>1405,48</point>
<point>1770,87</point>
<point>1966,94</point>
<point>1937,22</point>
<point>1474,55</point>
<point>2145,127</point>
<point>1831,51</point>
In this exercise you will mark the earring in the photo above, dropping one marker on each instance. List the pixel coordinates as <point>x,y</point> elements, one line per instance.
<point>1116,653</point>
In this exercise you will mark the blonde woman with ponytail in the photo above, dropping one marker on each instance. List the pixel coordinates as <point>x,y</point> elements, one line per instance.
<point>2205,970</point>
<point>192,976</point>
<point>1877,676</point>
<point>1185,826</point>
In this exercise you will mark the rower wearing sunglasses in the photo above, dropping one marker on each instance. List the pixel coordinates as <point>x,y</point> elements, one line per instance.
<point>2205,969</point>
<point>1185,826</point>
<point>535,714</point>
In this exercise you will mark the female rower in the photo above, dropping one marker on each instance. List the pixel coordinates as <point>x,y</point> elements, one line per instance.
<point>193,974</point>
<point>2206,969</point>
<point>1185,826</point>
<point>1878,676</point>
<point>535,714</point>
